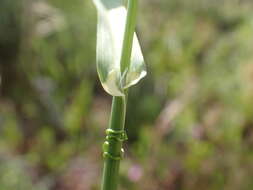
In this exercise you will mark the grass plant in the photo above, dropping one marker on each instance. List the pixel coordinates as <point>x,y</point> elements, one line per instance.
<point>120,65</point>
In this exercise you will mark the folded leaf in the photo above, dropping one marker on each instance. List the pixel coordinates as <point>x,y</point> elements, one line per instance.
<point>110,31</point>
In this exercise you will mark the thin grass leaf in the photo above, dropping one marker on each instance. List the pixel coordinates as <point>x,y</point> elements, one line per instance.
<point>110,31</point>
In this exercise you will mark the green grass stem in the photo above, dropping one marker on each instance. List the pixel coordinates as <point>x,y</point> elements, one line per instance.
<point>118,111</point>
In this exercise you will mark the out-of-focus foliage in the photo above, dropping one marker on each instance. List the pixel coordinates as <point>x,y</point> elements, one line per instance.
<point>189,122</point>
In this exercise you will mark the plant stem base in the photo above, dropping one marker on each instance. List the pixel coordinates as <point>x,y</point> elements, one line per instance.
<point>111,166</point>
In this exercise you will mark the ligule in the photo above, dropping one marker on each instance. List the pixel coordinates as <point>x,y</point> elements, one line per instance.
<point>112,16</point>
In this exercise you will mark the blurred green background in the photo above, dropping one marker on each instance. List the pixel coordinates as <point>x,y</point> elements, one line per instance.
<point>189,121</point>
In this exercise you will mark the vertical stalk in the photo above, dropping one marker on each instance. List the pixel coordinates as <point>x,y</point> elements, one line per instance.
<point>128,35</point>
<point>111,166</point>
<point>118,110</point>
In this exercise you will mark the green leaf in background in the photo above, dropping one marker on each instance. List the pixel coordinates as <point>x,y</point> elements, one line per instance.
<point>110,32</point>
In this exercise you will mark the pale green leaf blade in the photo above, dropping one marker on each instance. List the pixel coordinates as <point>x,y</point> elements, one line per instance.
<point>110,32</point>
